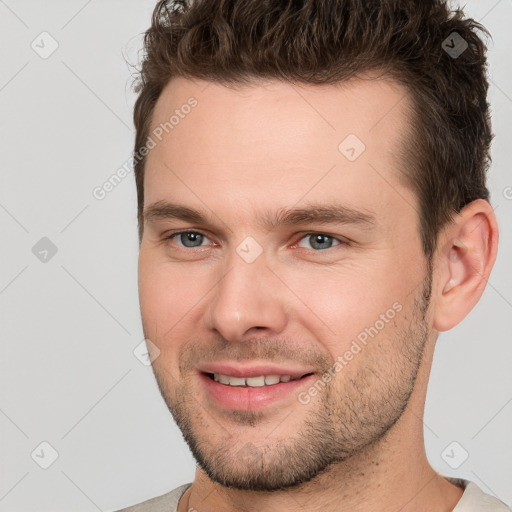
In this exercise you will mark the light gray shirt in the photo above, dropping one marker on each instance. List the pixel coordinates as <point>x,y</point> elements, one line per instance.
<point>473,500</point>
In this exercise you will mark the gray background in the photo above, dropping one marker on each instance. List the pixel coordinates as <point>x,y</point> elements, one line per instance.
<point>70,324</point>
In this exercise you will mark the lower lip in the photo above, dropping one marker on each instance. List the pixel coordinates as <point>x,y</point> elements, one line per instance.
<point>244,398</point>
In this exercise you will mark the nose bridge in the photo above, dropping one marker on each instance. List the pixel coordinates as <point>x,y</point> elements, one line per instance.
<point>247,295</point>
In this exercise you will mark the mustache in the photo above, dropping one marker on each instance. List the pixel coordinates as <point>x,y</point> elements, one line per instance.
<point>275,350</point>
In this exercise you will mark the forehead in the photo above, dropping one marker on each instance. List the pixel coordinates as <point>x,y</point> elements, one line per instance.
<point>289,141</point>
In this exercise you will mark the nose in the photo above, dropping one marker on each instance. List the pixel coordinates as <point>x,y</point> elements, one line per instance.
<point>248,299</point>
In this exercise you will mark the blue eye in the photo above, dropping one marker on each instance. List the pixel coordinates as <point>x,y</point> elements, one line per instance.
<point>189,239</point>
<point>320,241</point>
<point>315,241</point>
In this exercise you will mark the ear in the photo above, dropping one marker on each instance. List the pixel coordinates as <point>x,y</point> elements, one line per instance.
<point>464,260</point>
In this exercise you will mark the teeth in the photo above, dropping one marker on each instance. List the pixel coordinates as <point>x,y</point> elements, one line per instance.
<point>253,382</point>
<point>236,381</point>
<point>272,379</point>
<point>223,379</point>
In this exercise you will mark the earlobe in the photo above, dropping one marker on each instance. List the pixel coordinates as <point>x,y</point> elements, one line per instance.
<point>464,260</point>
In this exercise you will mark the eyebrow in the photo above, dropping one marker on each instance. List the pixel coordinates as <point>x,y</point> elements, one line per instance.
<point>311,213</point>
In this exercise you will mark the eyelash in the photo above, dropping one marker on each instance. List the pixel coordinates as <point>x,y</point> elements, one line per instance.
<point>307,234</point>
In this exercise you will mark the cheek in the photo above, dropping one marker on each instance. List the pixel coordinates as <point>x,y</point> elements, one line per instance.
<point>151,286</point>
<point>165,288</point>
<point>168,297</point>
<point>161,311</point>
<point>337,304</point>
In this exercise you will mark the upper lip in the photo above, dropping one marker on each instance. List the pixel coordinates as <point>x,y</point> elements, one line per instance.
<point>253,370</point>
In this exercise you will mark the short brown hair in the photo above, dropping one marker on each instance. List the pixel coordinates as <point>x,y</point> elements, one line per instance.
<point>327,41</point>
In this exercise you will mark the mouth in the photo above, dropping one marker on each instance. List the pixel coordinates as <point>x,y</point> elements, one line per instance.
<point>255,381</point>
<point>253,392</point>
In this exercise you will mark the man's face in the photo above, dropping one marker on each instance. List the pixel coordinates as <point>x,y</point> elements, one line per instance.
<point>338,305</point>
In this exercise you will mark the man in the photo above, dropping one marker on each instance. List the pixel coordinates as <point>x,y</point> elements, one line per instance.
<point>312,213</point>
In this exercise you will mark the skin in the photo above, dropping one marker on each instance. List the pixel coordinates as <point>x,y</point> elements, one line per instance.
<point>358,443</point>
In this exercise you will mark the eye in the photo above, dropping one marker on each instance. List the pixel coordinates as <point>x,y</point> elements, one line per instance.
<point>314,240</point>
<point>320,241</point>
<point>188,239</point>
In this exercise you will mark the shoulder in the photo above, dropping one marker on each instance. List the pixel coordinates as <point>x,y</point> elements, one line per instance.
<point>476,500</point>
<point>166,503</point>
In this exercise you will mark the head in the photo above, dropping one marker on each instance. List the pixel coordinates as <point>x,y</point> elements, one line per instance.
<point>311,199</point>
